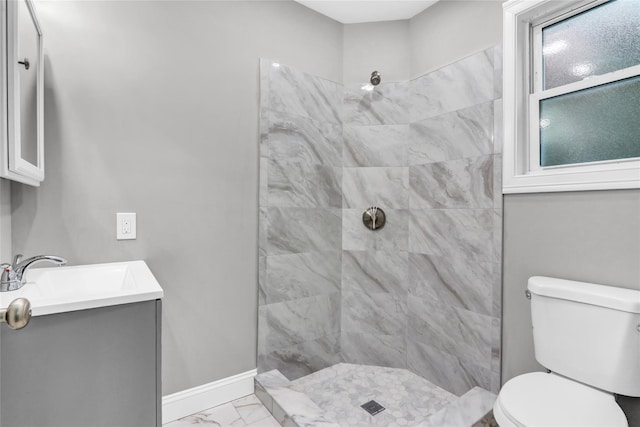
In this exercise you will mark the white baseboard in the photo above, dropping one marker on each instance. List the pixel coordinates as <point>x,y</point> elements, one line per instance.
<point>197,399</point>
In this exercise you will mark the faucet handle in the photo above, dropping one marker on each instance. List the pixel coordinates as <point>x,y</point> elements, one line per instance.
<point>17,259</point>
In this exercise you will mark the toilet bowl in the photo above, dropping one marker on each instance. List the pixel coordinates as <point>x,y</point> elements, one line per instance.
<point>540,399</point>
<point>588,337</point>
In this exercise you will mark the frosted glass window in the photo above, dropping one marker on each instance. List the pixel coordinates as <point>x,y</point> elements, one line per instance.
<point>600,40</point>
<point>595,124</point>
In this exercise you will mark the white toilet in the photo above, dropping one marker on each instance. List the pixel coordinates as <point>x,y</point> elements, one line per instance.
<point>588,336</point>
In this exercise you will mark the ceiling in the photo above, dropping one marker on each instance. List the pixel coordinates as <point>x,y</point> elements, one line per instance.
<point>358,11</point>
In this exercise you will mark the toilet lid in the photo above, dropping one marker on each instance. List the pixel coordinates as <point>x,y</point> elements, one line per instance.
<point>540,399</point>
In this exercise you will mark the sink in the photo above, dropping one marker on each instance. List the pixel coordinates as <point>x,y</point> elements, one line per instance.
<point>62,289</point>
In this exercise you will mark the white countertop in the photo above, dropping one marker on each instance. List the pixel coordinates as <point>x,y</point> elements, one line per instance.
<point>81,287</point>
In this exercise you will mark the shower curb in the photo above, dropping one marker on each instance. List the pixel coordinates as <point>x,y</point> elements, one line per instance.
<point>289,407</point>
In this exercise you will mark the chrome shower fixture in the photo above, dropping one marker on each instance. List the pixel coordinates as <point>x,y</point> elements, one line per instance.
<point>375,78</point>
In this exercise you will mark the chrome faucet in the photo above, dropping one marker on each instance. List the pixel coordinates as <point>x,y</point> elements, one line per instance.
<point>13,275</point>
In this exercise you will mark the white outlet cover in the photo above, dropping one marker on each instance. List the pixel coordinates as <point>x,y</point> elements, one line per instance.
<point>125,225</point>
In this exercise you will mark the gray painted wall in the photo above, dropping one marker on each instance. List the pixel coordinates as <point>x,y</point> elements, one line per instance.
<point>382,46</point>
<point>591,236</point>
<point>152,107</point>
<point>587,236</point>
<point>452,29</point>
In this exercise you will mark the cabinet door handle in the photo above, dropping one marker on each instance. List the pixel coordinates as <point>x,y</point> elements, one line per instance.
<point>17,314</point>
<point>25,63</point>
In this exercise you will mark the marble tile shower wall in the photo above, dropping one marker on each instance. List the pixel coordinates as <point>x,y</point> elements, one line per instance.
<point>423,293</point>
<point>300,221</point>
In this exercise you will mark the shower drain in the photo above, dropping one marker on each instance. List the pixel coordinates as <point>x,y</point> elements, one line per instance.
<point>372,407</point>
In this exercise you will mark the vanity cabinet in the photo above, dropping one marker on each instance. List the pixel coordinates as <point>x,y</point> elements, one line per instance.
<point>22,88</point>
<point>98,367</point>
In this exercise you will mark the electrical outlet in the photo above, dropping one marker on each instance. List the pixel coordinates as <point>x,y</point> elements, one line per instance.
<point>126,226</point>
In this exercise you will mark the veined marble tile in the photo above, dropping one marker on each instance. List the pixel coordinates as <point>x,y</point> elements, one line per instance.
<point>496,292</point>
<point>445,370</point>
<point>223,415</point>
<point>385,104</point>
<point>294,92</point>
<point>374,349</point>
<point>461,233</point>
<point>452,281</point>
<point>341,389</point>
<point>496,353</point>
<point>251,409</point>
<point>375,271</point>
<point>263,331</point>
<point>293,184</point>
<point>376,145</point>
<point>497,71</point>
<point>469,409</point>
<point>453,330</point>
<point>455,135</point>
<point>263,190</point>
<point>497,181</point>
<point>464,183</point>
<point>292,322</point>
<point>262,231</point>
<point>497,235</point>
<point>498,131</point>
<point>301,139</point>
<point>296,230</point>
<point>262,280</point>
<point>303,358</point>
<point>459,85</point>
<point>393,236</point>
<point>374,313</point>
<point>387,188</point>
<point>297,276</point>
<point>265,65</point>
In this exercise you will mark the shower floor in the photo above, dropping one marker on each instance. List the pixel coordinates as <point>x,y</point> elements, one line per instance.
<point>334,395</point>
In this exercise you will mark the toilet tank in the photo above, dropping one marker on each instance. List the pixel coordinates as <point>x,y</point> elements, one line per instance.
<point>588,332</point>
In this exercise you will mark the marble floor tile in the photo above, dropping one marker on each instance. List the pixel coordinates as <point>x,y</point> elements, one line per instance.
<point>341,389</point>
<point>244,412</point>
<point>251,410</point>
<point>223,415</point>
<point>471,408</point>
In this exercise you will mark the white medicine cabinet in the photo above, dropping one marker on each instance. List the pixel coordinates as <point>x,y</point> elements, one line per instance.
<point>22,148</point>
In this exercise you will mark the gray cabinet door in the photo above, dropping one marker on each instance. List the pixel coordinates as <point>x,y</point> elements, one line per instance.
<point>97,367</point>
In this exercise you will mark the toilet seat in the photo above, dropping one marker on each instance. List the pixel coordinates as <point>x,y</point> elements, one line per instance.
<point>539,399</point>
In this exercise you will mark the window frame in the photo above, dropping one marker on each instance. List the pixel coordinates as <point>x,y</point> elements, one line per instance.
<point>522,92</point>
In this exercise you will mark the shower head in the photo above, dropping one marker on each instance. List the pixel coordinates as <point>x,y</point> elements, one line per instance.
<point>375,78</point>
